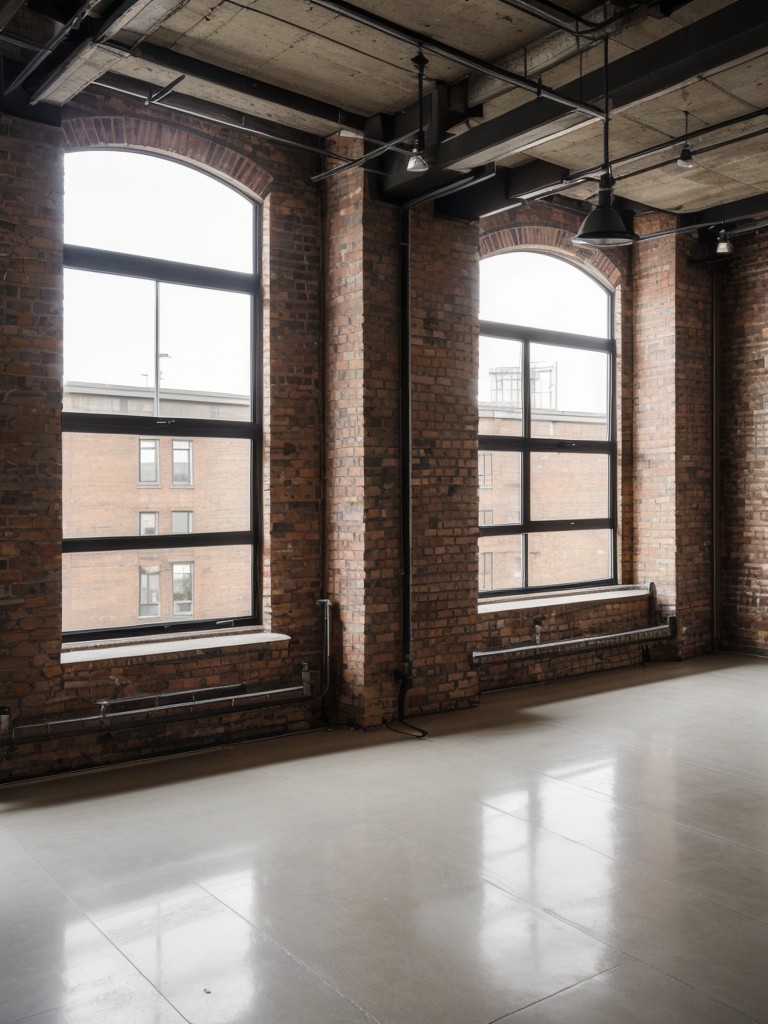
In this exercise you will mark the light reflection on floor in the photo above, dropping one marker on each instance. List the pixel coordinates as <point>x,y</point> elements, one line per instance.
<point>592,852</point>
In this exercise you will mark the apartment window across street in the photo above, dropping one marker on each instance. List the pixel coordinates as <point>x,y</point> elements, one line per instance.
<point>182,588</point>
<point>148,462</point>
<point>547,447</point>
<point>181,522</point>
<point>147,523</point>
<point>182,463</point>
<point>161,392</point>
<point>149,591</point>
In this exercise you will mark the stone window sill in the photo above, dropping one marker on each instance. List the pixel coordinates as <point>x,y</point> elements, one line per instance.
<point>558,598</point>
<point>147,646</point>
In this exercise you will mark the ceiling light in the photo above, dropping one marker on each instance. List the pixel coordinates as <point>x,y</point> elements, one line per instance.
<point>604,226</point>
<point>685,160</point>
<point>724,244</point>
<point>416,161</point>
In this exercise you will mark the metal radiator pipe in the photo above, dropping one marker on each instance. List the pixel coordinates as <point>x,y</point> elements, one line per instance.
<point>106,717</point>
<point>580,643</point>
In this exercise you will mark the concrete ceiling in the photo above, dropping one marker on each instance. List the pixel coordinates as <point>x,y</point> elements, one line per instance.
<point>303,69</point>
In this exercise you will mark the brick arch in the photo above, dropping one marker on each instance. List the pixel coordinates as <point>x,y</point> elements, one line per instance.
<point>557,241</point>
<point>147,135</point>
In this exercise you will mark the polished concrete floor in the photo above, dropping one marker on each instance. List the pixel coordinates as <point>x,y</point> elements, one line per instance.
<point>590,852</point>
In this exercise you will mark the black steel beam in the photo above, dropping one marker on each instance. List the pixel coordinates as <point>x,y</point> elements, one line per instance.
<point>502,191</point>
<point>8,9</point>
<point>460,57</point>
<point>727,35</point>
<point>247,86</point>
<point>17,104</point>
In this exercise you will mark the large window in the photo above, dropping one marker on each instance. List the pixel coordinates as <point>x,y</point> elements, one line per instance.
<point>547,448</point>
<point>160,394</point>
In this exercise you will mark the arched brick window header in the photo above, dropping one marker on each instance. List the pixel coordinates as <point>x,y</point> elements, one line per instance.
<point>543,238</point>
<point>151,136</point>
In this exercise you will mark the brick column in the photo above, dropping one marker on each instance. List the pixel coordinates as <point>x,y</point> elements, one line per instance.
<point>361,466</point>
<point>672,437</point>
<point>30,415</point>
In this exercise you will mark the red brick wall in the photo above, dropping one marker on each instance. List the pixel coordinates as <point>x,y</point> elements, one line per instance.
<point>694,499</point>
<point>444,308</point>
<point>673,436</point>
<point>655,411</point>
<point>742,286</point>
<point>31,513</point>
<point>362,423</point>
<point>346,443</point>
<point>30,404</point>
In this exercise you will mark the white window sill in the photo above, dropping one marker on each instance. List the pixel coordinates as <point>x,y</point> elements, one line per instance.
<point>562,597</point>
<point>143,647</point>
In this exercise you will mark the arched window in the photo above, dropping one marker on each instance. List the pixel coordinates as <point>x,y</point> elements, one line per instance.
<point>161,442</point>
<point>547,448</point>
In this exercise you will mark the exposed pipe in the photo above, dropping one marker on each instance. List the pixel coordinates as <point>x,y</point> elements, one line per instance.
<point>563,19</point>
<point>58,38</point>
<point>715,461</point>
<point>580,643</point>
<point>112,719</point>
<point>125,90</point>
<point>450,53</point>
<point>325,661</point>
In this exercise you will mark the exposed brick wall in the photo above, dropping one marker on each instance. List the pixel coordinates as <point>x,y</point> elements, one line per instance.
<point>30,406</point>
<point>444,307</point>
<point>655,411</point>
<point>673,436</point>
<point>279,178</point>
<point>693,400</point>
<point>346,443</point>
<point>743,446</point>
<point>345,428</point>
<point>362,425</point>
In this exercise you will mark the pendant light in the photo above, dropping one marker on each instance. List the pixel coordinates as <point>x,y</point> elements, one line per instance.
<point>416,161</point>
<point>724,244</point>
<point>604,226</point>
<point>685,160</point>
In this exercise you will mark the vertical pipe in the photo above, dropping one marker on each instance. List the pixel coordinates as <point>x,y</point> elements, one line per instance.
<point>715,461</point>
<point>406,428</point>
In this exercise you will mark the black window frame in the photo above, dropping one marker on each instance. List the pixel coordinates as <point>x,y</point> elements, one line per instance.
<point>189,428</point>
<point>526,445</point>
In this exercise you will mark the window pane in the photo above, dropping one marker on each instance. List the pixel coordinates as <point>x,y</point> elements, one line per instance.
<point>501,563</point>
<point>575,556</point>
<point>570,390</point>
<point>108,504</point>
<point>113,589</point>
<point>181,522</point>
<point>499,387</point>
<point>149,591</point>
<point>109,344</point>
<point>499,487</point>
<point>147,523</point>
<point>148,461</point>
<point>536,290</point>
<point>149,206</point>
<point>181,574</point>
<point>569,485</point>
<point>204,352</point>
<point>182,464</point>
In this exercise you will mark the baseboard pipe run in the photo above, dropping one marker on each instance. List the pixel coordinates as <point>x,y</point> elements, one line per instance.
<point>579,643</point>
<point>107,719</point>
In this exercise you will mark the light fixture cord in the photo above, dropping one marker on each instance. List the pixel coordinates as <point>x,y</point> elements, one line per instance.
<point>420,62</point>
